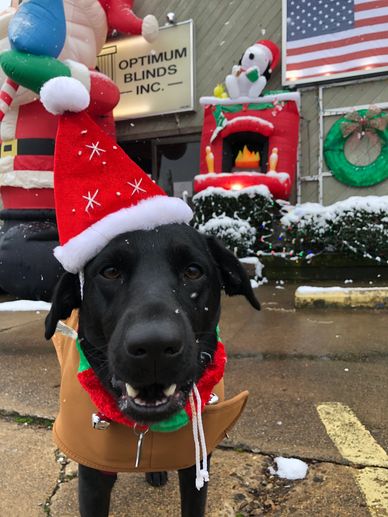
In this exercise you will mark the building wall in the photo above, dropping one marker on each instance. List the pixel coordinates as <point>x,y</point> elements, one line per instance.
<point>335,97</point>
<point>223,29</point>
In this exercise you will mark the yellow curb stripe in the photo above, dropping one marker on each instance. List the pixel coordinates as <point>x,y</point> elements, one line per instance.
<point>341,297</point>
<point>352,439</point>
<point>357,445</point>
<point>374,485</point>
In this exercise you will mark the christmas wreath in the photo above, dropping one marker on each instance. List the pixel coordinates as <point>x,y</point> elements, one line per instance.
<point>370,123</point>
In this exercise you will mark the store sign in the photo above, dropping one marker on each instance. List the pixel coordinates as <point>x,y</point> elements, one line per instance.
<point>153,78</point>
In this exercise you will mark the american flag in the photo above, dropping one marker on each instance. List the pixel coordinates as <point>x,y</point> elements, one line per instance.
<point>328,39</point>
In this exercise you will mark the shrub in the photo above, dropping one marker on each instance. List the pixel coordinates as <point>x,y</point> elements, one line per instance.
<point>356,226</point>
<point>253,206</point>
<point>237,235</point>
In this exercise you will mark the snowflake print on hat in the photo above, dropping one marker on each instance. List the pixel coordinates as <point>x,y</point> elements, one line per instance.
<point>90,211</point>
<point>95,150</point>
<point>136,187</point>
<point>91,200</point>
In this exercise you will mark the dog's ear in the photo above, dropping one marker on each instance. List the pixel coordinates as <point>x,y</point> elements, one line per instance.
<point>66,297</point>
<point>234,277</point>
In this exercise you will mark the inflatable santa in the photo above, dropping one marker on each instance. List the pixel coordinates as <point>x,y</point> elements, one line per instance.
<point>58,38</point>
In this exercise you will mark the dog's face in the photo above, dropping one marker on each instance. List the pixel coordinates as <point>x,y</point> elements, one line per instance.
<point>149,314</point>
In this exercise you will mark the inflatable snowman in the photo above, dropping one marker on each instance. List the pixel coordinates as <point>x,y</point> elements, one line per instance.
<point>59,37</point>
<point>250,76</point>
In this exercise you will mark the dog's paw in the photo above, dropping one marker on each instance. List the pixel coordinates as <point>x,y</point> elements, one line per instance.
<point>157,478</point>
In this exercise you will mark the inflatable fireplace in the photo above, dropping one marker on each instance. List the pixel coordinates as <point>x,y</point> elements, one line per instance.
<point>247,142</point>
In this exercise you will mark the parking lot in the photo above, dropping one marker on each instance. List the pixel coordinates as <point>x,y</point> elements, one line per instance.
<point>318,384</point>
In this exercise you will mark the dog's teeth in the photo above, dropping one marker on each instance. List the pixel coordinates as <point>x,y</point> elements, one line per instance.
<point>170,390</point>
<point>140,402</point>
<point>131,392</point>
<point>160,402</point>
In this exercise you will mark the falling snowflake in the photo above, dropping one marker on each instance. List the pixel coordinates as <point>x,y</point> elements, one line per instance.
<point>91,199</point>
<point>95,150</point>
<point>136,187</point>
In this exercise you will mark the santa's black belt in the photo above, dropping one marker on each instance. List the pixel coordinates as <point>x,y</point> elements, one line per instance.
<point>27,146</point>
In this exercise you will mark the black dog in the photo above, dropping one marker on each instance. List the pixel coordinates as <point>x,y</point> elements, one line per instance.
<point>148,316</point>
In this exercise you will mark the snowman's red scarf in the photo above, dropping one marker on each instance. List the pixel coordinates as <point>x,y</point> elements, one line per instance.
<point>107,405</point>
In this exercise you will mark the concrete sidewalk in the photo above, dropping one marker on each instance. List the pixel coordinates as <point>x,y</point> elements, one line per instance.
<point>291,361</point>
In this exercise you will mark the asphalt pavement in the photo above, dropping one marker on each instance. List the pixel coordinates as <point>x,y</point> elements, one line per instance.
<point>318,382</point>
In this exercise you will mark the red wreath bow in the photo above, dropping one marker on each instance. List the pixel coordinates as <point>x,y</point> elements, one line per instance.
<point>374,120</point>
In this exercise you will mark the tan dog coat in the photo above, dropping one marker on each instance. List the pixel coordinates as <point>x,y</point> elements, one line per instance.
<point>114,449</point>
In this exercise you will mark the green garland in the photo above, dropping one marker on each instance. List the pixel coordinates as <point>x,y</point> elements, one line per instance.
<point>348,173</point>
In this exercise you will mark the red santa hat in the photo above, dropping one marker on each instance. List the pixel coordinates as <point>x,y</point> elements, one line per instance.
<point>273,51</point>
<point>101,193</point>
<point>122,19</point>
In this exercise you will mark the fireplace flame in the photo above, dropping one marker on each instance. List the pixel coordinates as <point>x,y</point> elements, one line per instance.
<point>247,159</point>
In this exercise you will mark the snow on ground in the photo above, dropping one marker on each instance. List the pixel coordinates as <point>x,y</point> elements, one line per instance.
<point>289,468</point>
<point>306,289</point>
<point>24,305</point>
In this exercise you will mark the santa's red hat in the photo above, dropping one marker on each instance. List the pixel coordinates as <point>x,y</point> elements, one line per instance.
<point>273,50</point>
<point>100,193</point>
<point>121,18</point>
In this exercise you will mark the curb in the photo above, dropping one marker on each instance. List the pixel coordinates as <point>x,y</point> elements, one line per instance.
<point>348,297</point>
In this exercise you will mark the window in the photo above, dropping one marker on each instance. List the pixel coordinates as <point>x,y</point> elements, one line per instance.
<point>172,162</point>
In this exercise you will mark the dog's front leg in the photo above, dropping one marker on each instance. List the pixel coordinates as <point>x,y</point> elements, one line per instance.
<point>193,501</point>
<point>94,489</point>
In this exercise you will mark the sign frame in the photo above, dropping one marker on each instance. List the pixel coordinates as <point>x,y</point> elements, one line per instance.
<point>112,44</point>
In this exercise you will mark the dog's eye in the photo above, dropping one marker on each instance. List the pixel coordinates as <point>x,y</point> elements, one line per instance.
<point>111,273</point>
<point>193,272</point>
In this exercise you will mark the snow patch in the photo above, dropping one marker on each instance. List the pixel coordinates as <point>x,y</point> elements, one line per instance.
<point>261,190</point>
<point>303,214</point>
<point>289,468</point>
<point>228,229</point>
<point>306,289</point>
<point>281,176</point>
<point>259,266</point>
<point>24,305</point>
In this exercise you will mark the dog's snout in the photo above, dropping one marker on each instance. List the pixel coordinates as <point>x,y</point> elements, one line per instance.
<point>154,342</point>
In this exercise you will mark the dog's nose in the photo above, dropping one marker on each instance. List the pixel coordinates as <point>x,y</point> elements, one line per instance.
<point>155,341</point>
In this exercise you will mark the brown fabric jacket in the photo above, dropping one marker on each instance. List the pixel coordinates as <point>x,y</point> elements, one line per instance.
<point>114,449</point>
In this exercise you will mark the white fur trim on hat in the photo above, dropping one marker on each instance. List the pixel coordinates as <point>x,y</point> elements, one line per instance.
<point>62,94</point>
<point>146,215</point>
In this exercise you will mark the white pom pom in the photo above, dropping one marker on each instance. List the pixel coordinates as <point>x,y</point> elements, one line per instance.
<point>150,28</point>
<point>62,94</point>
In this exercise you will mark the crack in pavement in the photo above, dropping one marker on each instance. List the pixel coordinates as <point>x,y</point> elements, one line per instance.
<point>31,420</point>
<point>63,477</point>
<point>242,447</point>
<point>352,358</point>
<point>47,423</point>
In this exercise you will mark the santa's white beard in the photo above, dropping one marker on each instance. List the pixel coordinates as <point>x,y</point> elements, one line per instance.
<point>87,29</point>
